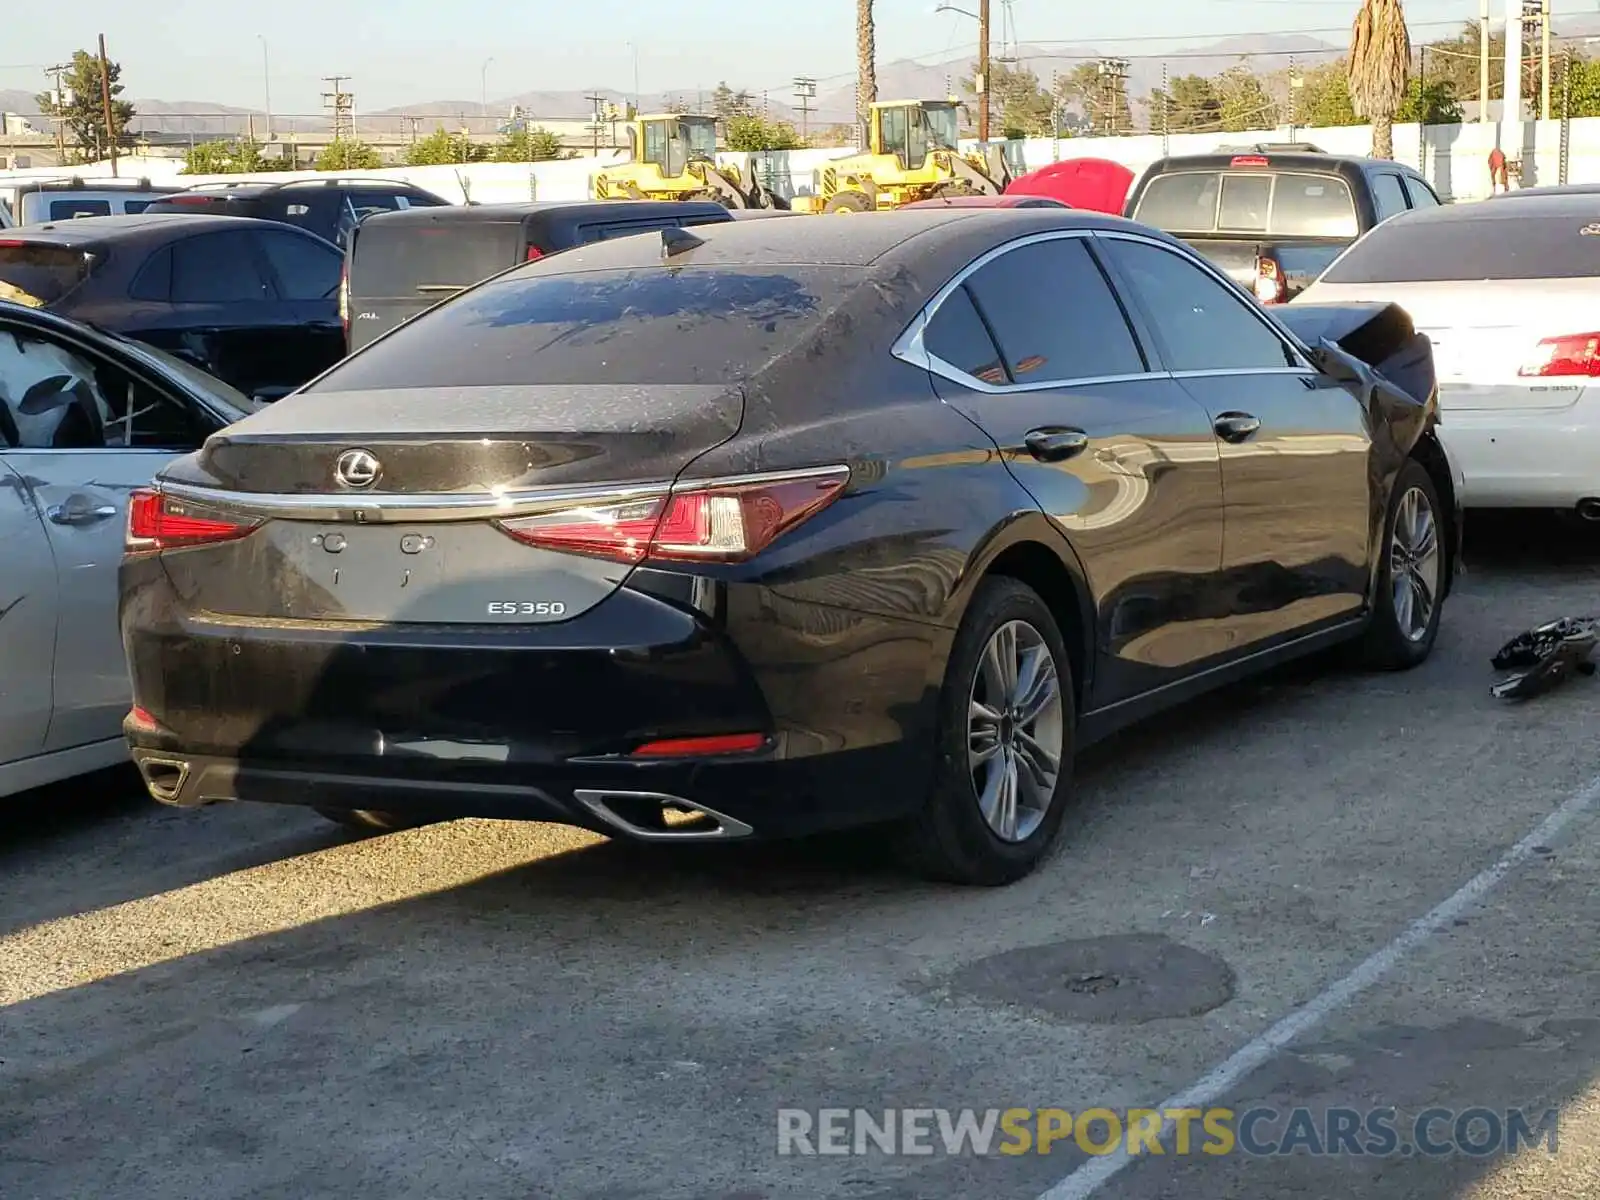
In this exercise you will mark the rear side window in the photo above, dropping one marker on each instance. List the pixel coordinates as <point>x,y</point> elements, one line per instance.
<point>956,335</point>
<point>686,326</point>
<point>306,270</point>
<point>1054,315</point>
<point>1421,250</point>
<point>37,274</point>
<point>408,261</point>
<point>1421,194</point>
<point>216,268</point>
<point>1298,204</point>
<point>1388,196</point>
<point>154,280</point>
<point>67,210</point>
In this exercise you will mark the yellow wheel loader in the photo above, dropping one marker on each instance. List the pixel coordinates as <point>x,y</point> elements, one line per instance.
<point>912,155</point>
<point>674,157</point>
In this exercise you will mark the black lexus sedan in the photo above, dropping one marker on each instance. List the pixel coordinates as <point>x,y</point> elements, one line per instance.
<point>255,303</point>
<point>774,526</point>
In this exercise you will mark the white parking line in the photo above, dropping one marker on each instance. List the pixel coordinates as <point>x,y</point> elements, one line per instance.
<point>1097,1172</point>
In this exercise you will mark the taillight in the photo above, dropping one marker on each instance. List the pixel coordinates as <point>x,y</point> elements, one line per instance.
<point>191,201</point>
<point>720,743</point>
<point>534,253</point>
<point>1249,160</point>
<point>716,523</point>
<point>158,522</point>
<point>1574,354</point>
<point>1271,286</point>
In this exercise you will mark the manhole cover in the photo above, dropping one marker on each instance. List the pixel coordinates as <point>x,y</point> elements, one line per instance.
<point>1128,978</point>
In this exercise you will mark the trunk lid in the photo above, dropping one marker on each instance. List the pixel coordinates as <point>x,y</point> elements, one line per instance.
<point>419,544</point>
<point>1483,332</point>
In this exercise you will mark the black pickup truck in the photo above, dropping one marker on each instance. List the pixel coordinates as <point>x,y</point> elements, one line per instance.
<point>1274,218</point>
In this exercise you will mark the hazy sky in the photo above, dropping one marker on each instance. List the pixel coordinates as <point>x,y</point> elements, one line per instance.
<point>405,51</point>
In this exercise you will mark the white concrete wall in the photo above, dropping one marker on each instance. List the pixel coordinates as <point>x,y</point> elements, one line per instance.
<point>1455,159</point>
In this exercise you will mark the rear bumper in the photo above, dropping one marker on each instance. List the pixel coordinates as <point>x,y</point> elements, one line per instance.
<point>541,722</point>
<point>1525,458</point>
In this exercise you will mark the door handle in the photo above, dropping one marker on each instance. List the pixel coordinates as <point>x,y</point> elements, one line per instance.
<point>1055,445</point>
<point>80,514</point>
<point>1236,427</point>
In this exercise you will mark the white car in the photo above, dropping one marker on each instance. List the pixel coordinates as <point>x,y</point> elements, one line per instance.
<point>1509,294</point>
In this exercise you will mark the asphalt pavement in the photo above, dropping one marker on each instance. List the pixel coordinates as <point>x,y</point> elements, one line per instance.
<point>1328,891</point>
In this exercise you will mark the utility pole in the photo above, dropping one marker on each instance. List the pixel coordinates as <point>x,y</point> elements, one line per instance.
<point>805,90</point>
<point>598,100</point>
<point>342,104</point>
<point>982,81</point>
<point>1115,73</point>
<point>1166,108</point>
<point>60,100</point>
<point>1566,115</point>
<point>105,104</point>
<point>1483,60</point>
<point>1544,60</point>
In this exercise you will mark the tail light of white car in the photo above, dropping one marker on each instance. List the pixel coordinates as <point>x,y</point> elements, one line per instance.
<point>714,523</point>
<point>1572,354</point>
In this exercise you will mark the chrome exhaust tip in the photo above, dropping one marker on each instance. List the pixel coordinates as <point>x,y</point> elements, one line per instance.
<point>660,817</point>
<point>164,777</point>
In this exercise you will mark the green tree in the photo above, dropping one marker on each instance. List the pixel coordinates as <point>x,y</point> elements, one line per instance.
<point>1324,98</point>
<point>1019,105</point>
<point>1190,105</point>
<point>441,148</point>
<point>1102,99</point>
<point>344,154</point>
<point>224,158</point>
<point>752,133</point>
<point>727,103</point>
<point>1380,62</point>
<point>1243,102</point>
<point>530,145</point>
<point>1431,102</point>
<point>81,107</point>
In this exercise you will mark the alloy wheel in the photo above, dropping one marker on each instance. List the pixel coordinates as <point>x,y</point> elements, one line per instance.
<point>1414,564</point>
<point>1015,731</point>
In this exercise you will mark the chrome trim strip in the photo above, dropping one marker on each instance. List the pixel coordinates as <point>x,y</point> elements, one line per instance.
<point>1230,372</point>
<point>367,508</point>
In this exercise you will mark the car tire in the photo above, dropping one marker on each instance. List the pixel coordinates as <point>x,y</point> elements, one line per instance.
<point>1398,636</point>
<point>961,834</point>
<point>370,820</point>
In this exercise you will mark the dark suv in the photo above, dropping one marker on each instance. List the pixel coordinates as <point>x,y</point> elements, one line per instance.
<point>1274,217</point>
<point>329,208</point>
<point>398,265</point>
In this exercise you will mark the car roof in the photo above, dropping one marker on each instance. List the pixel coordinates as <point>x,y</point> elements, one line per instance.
<point>1289,160</point>
<point>1553,189</point>
<point>575,209</point>
<point>81,230</point>
<point>1578,206</point>
<point>1010,200</point>
<point>861,240</point>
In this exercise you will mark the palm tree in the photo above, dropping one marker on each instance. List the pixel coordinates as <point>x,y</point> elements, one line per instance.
<point>1380,60</point>
<point>866,67</point>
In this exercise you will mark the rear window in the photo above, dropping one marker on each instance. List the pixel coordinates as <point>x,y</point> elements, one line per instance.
<point>395,261</point>
<point>686,326</point>
<point>1415,250</point>
<point>67,210</point>
<point>1278,203</point>
<point>37,274</point>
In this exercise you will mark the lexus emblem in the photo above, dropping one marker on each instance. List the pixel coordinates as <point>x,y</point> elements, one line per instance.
<point>357,469</point>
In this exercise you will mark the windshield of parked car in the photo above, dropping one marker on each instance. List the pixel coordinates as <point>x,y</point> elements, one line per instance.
<point>1246,203</point>
<point>692,325</point>
<point>40,273</point>
<point>1561,246</point>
